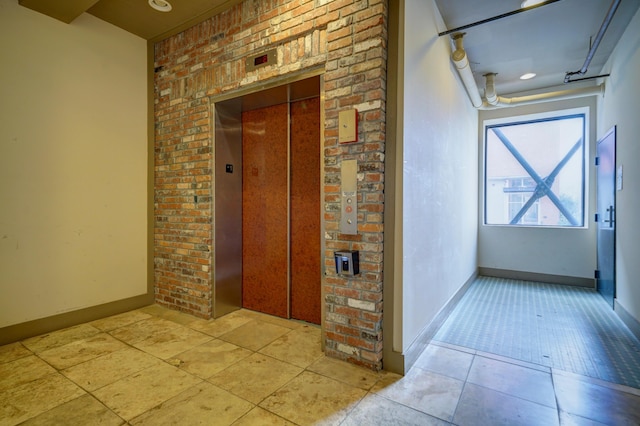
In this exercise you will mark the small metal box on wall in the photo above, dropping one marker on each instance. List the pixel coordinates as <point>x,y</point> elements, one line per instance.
<point>347,262</point>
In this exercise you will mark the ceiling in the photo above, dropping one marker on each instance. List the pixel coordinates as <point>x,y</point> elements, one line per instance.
<point>549,40</point>
<point>135,16</point>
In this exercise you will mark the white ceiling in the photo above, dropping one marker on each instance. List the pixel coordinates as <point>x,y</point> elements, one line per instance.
<point>549,40</point>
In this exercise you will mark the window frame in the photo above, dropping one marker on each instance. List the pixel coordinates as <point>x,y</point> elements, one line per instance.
<point>582,112</point>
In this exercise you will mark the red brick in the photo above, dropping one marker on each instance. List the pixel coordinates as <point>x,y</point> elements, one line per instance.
<point>207,60</point>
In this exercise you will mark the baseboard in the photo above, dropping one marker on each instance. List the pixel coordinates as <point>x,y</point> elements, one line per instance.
<point>632,324</point>
<point>17,332</point>
<point>414,351</point>
<point>534,276</point>
<point>393,362</point>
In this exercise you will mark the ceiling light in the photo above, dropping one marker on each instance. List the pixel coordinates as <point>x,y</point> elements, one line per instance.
<point>161,5</point>
<point>529,3</point>
<point>527,76</point>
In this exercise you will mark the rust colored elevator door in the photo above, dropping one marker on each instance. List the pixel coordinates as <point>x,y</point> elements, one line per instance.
<point>305,210</point>
<point>281,210</point>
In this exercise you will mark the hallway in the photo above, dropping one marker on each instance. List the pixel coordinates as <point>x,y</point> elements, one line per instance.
<point>157,366</point>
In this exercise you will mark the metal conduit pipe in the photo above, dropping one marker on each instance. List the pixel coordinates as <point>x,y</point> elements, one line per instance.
<point>494,101</point>
<point>461,61</point>
<point>596,42</point>
<point>490,95</point>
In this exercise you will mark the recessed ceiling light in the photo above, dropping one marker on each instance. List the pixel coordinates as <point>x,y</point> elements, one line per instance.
<point>529,3</point>
<point>161,5</point>
<point>527,76</point>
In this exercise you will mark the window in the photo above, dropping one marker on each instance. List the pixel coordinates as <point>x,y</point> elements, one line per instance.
<point>516,202</point>
<point>535,171</point>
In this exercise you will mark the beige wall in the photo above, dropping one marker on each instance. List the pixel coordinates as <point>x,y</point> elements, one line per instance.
<point>620,107</point>
<point>73,164</point>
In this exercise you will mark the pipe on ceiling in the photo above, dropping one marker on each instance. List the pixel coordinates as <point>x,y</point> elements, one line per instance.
<point>492,100</point>
<point>461,61</point>
<point>596,42</point>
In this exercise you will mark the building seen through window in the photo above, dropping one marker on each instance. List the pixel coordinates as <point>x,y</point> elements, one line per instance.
<point>535,171</point>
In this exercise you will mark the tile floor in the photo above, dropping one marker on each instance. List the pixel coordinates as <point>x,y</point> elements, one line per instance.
<point>154,366</point>
<point>569,328</point>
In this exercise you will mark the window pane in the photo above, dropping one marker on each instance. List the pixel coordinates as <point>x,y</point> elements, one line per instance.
<point>534,172</point>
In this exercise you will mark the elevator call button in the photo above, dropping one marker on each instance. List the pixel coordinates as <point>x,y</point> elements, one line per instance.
<point>349,205</point>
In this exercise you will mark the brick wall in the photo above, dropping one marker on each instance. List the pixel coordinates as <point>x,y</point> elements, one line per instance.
<point>347,40</point>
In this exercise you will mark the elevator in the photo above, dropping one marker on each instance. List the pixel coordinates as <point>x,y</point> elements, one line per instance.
<point>267,202</point>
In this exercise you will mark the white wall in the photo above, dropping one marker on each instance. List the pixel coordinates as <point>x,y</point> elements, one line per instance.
<point>553,251</point>
<point>73,164</point>
<point>439,172</point>
<point>620,107</point>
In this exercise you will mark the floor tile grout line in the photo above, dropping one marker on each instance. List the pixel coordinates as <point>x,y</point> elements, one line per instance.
<point>555,395</point>
<point>503,358</point>
<point>464,386</point>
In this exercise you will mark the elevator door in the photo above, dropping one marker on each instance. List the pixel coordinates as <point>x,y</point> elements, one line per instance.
<point>305,210</point>
<point>281,210</point>
<point>265,210</point>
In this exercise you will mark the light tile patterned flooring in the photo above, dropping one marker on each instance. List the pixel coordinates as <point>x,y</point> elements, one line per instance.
<point>154,366</point>
<point>565,327</point>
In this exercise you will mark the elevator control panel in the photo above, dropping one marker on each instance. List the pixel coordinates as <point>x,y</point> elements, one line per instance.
<point>349,197</point>
<point>347,262</point>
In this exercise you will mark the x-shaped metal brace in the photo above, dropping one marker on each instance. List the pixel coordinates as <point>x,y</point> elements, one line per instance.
<point>543,185</point>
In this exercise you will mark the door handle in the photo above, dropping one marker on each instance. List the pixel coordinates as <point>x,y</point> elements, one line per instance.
<point>610,221</point>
